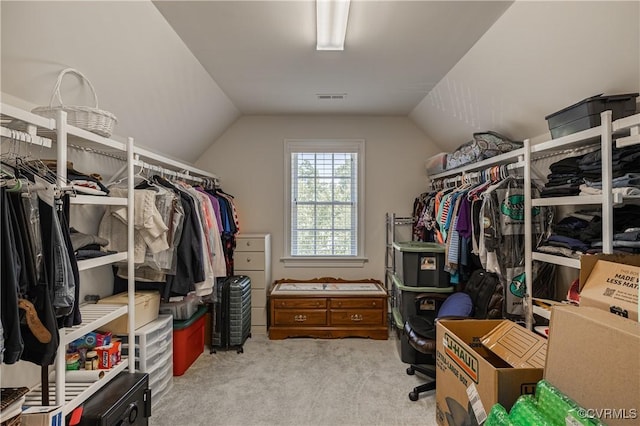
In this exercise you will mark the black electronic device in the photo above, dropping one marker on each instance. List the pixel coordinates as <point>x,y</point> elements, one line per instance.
<point>125,400</point>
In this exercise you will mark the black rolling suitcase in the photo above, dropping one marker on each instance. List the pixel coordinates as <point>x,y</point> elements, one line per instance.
<point>231,313</point>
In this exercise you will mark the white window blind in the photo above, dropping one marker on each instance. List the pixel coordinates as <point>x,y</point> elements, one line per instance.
<point>324,196</point>
<point>324,204</point>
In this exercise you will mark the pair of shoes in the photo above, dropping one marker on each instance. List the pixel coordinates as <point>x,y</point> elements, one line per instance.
<point>35,325</point>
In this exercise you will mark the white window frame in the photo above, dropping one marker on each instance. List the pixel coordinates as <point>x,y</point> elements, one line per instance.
<point>324,145</point>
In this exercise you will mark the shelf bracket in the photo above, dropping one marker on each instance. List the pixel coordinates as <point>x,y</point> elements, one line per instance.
<point>632,139</point>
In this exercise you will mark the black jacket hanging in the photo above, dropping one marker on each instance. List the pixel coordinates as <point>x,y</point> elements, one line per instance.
<point>10,271</point>
<point>74,318</point>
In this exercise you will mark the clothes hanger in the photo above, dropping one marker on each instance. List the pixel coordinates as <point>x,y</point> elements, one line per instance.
<point>32,174</point>
<point>123,179</point>
<point>9,181</point>
<point>147,182</point>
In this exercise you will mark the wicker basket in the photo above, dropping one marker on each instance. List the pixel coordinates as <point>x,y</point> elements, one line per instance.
<point>92,119</point>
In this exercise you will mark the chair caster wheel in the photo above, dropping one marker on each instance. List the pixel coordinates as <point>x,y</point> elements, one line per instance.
<point>411,371</point>
<point>413,396</point>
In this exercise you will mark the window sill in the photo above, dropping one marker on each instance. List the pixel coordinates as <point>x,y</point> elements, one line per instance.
<point>324,262</point>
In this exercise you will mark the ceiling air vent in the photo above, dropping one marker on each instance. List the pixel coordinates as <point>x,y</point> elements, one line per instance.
<point>331,96</point>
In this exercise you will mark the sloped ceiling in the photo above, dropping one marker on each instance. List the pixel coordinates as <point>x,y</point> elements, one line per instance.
<point>538,58</point>
<point>535,58</point>
<point>141,70</point>
<point>262,53</point>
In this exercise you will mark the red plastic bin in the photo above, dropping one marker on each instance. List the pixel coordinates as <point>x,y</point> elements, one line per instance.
<point>188,341</point>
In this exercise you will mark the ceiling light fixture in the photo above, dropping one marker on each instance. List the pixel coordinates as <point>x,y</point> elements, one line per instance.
<point>331,23</point>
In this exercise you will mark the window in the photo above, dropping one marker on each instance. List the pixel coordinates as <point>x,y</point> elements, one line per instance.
<point>324,197</point>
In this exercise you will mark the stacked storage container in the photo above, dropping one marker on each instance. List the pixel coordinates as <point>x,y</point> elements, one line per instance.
<point>188,341</point>
<point>154,354</point>
<point>419,268</point>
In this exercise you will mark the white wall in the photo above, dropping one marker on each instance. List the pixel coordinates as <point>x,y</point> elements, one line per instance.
<point>250,159</point>
<point>538,58</point>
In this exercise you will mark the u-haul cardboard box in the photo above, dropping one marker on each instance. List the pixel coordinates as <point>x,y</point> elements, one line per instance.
<point>594,358</point>
<point>482,362</point>
<point>610,283</point>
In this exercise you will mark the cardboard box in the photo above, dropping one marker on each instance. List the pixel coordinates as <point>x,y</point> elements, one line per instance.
<point>516,345</point>
<point>471,378</point>
<point>147,308</point>
<point>611,284</point>
<point>593,357</point>
<point>109,356</point>
<point>43,416</point>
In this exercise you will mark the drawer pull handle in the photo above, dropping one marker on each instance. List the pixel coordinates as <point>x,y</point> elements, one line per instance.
<point>248,259</point>
<point>248,243</point>
<point>300,318</point>
<point>356,317</point>
<point>317,305</point>
<point>373,304</point>
<point>339,304</point>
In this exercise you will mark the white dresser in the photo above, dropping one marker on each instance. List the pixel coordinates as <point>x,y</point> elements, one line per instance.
<point>252,258</point>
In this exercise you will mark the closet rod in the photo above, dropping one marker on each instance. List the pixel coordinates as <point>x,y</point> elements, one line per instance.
<point>463,176</point>
<point>169,172</point>
<point>97,151</point>
<point>21,136</point>
<point>512,166</point>
<point>171,162</point>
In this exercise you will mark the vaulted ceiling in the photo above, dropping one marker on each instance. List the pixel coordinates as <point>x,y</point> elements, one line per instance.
<point>177,74</point>
<point>262,53</point>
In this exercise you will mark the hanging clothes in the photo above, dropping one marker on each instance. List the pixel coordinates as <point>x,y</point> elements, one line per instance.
<point>13,344</point>
<point>230,226</point>
<point>481,225</point>
<point>158,264</point>
<point>205,219</point>
<point>190,266</point>
<point>502,242</point>
<point>150,232</point>
<point>34,302</point>
<point>196,221</point>
<point>218,262</point>
<point>64,293</point>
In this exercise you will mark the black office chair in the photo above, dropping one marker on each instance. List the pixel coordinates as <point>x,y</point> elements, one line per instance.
<point>421,334</point>
<point>481,298</point>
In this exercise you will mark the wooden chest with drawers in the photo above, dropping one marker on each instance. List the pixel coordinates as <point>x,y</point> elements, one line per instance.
<point>328,308</point>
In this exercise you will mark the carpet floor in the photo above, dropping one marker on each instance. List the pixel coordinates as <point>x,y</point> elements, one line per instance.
<point>302,382</point>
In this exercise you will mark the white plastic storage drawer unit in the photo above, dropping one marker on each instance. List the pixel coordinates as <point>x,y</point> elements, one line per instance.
<point>252,258</point>
<point>154,354</point>
<point>161,386</point>
<point>161,377</point>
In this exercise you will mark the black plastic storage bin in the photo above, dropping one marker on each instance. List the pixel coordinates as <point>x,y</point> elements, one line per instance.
<point>421,264</point>
<point>403,306</point>
<point>404,299</point>
<point>586,113</point>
